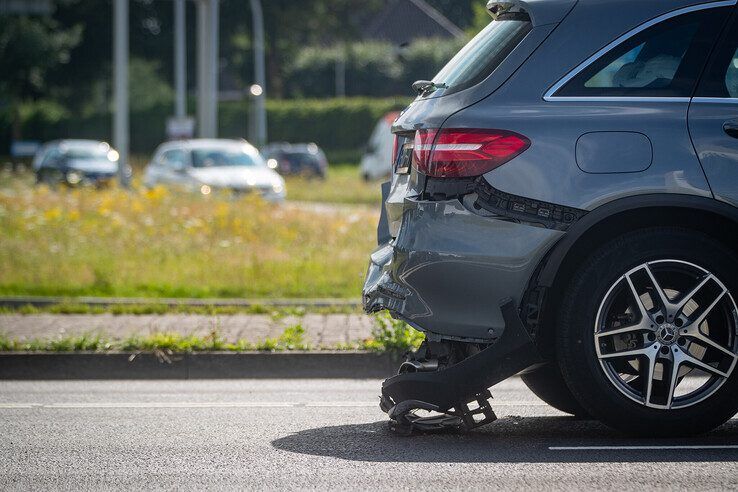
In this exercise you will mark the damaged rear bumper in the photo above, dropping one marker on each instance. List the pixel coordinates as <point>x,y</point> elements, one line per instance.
<point>449,267</point>
<point>457,273</point>
<point>460,383</point>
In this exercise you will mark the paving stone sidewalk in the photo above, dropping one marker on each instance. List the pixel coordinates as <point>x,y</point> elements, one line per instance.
<point>321,329</point>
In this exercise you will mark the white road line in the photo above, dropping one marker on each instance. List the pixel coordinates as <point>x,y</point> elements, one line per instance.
<point>639,448</point>
<point>237,404</point>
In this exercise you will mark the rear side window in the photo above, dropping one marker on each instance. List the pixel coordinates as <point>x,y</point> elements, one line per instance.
<point>661,61</point>
<point>731,76</point>
<point>721,77</point>
<point>175,158</point>
<point>485,52</point>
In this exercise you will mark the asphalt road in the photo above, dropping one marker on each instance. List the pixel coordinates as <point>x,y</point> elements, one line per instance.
<point>296,434</point>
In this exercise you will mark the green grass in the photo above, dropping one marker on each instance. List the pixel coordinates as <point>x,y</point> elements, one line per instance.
<point>389,336</point>
<point>159,309</point>
<point>343,185</point>
<point>393,335</point>
<point>159,243</point>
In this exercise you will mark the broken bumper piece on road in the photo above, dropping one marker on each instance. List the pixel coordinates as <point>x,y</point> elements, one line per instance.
<point>457,395</point>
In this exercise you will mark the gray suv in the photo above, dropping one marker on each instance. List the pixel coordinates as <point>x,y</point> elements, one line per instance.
<point>564,205</point>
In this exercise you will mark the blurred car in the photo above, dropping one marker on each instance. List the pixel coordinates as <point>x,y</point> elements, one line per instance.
<point>376,162</point>
<point>206,165</point>
<point>303,159</point>
<point>76,162</point>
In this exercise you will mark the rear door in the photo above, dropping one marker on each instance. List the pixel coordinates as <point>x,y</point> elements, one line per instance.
<point>713,117</point>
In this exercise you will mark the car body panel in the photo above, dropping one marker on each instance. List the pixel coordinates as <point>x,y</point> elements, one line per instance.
<point>548,170</point>
<point>234,177</point>
<point>450,263</point>
<point>717,151</point>
<point>447,284</point>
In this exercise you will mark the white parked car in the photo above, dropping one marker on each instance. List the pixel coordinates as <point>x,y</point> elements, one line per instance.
<point>376,162</point>
<point>206,165</point>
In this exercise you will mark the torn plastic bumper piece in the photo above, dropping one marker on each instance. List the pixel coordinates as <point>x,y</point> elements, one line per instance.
<point>454,391</point>
<point>463,416</point>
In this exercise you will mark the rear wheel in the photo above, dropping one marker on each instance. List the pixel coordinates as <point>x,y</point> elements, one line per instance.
<point>49,177</point>
<point>547,384</point>
<point>647,338</point>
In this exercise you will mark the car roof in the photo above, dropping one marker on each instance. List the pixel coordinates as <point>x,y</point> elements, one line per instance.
<point>289,146</point>
<point>76,142</point>
<point>544,12</point>
<point>201,143</point>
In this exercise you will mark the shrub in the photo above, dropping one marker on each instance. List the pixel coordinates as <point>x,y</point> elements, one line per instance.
<point>342,124</point>
<point>392,335</point>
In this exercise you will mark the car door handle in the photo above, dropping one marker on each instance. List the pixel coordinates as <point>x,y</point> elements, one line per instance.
<point>731,128</point>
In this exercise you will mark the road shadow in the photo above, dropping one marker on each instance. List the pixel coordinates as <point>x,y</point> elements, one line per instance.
<point>508,440</point>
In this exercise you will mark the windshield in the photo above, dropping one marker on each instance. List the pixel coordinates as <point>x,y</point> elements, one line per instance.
<point>86,153</point>
<point>219,157</point>
<point>485,52</point>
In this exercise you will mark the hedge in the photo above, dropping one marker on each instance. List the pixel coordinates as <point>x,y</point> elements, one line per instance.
<point>340,126</point>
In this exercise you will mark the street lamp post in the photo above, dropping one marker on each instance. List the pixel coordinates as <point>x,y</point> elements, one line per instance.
<point>259,94</point>
<point>120,87</point>
<point>180,59</point>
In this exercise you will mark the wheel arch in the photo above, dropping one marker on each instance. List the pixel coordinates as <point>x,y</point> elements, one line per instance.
<point>714,218</point>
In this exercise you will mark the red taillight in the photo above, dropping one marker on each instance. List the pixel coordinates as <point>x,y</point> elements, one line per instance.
<point>461,153</point>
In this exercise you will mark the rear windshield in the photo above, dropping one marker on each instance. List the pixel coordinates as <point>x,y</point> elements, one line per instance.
<point>485,52</point>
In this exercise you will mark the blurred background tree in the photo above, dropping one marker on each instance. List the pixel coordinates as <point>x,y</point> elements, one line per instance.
<point>57,68</point>
<point>30,48</point>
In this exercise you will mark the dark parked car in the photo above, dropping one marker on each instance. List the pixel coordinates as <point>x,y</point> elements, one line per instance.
<point>564,205</point>
<point>76,162</point>
<point>304,159</point>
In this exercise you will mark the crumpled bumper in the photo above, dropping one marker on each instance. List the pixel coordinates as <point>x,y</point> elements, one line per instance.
<point>463,382</point>
<point>450,266</point>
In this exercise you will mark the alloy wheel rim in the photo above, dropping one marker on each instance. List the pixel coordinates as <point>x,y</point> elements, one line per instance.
<point>666,334</point>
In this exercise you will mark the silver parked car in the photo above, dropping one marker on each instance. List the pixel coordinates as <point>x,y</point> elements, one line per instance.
<point>206,165</point>
<point>564,205</point>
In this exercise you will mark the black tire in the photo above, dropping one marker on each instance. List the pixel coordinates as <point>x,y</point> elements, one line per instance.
<point>547,384</point>
<point>577,353</point>
<point>49,177</point>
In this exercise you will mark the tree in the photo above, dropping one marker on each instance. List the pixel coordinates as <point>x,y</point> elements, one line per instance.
<point>290,25</point>
<point>481,19</point>
<point>30,48</point>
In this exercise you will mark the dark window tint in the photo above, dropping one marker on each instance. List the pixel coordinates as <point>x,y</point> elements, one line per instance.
<point>485,52</point>
<point>661,61</point>
<point>721,77</point>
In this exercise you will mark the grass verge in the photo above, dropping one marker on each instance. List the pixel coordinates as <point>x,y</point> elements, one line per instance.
<point>389,335</point>
<point>159,243</point>
<point>342,185</point>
